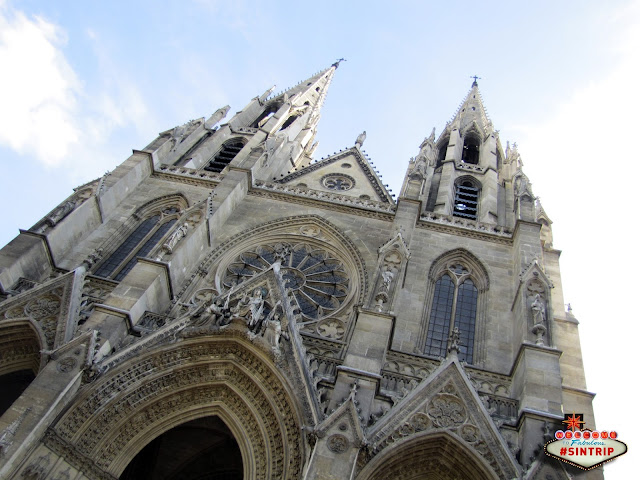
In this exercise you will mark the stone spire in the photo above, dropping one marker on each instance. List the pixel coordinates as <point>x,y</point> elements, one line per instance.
<point>472,109</point>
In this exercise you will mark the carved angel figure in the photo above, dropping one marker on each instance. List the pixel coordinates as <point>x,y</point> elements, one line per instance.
<point>361,138</point>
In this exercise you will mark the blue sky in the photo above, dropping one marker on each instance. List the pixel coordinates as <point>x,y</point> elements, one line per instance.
<point>84,83</point>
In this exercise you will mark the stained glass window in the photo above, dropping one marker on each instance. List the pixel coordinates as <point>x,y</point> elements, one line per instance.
<point>317,279</point>
<point>139,243</point>
<point>455,298</point>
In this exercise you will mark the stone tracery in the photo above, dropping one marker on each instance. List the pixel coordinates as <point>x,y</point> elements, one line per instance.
<point>318,279</point>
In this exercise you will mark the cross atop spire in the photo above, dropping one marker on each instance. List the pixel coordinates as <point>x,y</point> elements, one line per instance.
<point>475,80</point>
<point>337,62</point>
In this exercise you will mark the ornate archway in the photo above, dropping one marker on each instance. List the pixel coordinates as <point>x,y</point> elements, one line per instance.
<point>202,449</point>
<point>430,456</point>
<point>20,358</point>
<point>149,393</point>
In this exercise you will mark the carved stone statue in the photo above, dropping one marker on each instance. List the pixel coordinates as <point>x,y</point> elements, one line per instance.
<point>272,144</point>
<point>175,237</point>
<point>179,133</point>
<point>216,117</point>
<point>361,138</point>
<point>454,341</point>
<point>256,308</point>
<point>273,329</point>
<point>419,169</point>
<point>61,212</point>
<point>538,310</point>
<point>387,278</point>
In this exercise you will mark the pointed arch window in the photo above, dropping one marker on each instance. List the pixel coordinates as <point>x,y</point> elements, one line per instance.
<point>227,153</point>
<point>442,153</point>
<point>138,243</point>
<point>455,301</point>
<point>465,203</point>
<point>289,121</point>
<point>471,150</point>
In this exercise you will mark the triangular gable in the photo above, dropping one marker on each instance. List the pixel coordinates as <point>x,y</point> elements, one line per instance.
<point>234,316</point>
<point>345,420</point>
<point>446,402</point>
<point>52,308</point>
<point>346,173</point>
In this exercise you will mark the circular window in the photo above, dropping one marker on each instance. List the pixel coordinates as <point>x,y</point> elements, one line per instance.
<point>338,182</point>
<point>317,279</point>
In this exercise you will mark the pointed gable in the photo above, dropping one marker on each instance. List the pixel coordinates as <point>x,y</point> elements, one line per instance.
<point>445,403</point>
<point>347,173</point>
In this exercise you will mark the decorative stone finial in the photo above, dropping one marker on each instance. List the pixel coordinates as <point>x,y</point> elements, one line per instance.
<point>216,117</point>
<point>361,138</point>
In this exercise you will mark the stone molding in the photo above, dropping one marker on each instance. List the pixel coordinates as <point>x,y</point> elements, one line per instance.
<point>117,414</point>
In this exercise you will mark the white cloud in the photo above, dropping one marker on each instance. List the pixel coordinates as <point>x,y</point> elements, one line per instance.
<point>38,90</point>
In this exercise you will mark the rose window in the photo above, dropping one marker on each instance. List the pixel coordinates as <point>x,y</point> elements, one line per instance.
<point>338,182</point>
<point>317,279</point>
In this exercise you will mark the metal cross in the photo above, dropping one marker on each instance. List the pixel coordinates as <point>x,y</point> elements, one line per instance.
<point>475,78</point>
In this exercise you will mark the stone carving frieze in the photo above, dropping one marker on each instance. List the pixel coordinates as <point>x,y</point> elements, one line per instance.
<point>190,176</point>
<point>466,227</point>
<point>330,197</point>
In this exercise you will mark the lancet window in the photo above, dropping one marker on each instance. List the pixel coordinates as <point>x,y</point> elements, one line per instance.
<point>226,154</point>
<point>454,306</point>
<point>442,153</point>
<point>138,243</point>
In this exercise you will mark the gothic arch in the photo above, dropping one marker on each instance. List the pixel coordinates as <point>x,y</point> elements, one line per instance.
<point>467,196</point>
<point>311,229</point>
<point>147,395</point>
<point>139,235</point>
<point>21,344</point>
<point>311,233</point>
<point>480,278</point>
<point>428,455</point>
<point>159,203</point>
<point>21,341</point>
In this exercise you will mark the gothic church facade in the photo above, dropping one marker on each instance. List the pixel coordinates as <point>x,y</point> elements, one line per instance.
<point>222,306</point>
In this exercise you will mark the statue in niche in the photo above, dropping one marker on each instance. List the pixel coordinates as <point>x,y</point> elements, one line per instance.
<point>387,278</point>
<point>361,138</point>
<point>175,237</point>
<point>216,117</point>
<point>538,310</point>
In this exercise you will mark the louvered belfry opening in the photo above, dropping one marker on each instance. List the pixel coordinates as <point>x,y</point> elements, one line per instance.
<point>225,155</point>
<point>471,150</point>
<point>466,200</point>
